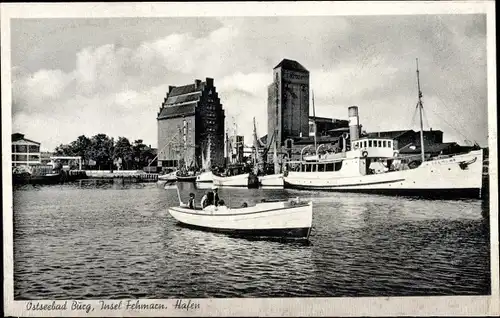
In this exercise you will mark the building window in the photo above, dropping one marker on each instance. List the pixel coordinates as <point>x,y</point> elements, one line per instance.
<point>384,144</point>
<point>329,167</point>
<point>21,148</point>
<point>34,148</point>
<point>380,143</point>
<point>389,144</point>
<point>21,158</point>
<point>321,168</point>
<point>34,158</point>
<point>374,143</point>
<point>369,143</point>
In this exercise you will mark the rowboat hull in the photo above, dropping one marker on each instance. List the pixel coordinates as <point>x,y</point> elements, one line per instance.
<point>272,180</point>
<point>275,219</point>
<point>240,180</point>
<point>186,178</point>
<point>205,177</point>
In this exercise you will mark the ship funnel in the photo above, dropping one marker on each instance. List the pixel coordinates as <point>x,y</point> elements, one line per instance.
<point>353,123</point>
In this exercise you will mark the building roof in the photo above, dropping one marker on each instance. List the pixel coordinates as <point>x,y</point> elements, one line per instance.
<point>186,89</point>
<point>389,134</point>
<point>291,65</point>
<point>177,111</point>
<point>178,99</point>
<point>432,148</point>
<point>20,137</point>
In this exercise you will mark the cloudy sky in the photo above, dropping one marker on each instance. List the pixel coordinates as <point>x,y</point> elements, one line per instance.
<point>88,76</point>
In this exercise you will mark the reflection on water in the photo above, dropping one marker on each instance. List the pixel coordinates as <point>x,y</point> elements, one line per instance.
<point>104,240</point>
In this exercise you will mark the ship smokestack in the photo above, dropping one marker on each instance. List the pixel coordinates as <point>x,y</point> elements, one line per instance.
<point>353,123</point>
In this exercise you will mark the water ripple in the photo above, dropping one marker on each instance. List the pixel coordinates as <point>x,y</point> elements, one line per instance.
<point>112,241</point>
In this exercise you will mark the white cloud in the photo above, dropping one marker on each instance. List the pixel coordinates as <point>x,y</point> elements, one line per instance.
<point>362,61</point>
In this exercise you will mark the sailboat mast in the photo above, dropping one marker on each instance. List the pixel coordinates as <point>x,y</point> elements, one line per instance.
<point>314,124</point>
<point>420,107</point>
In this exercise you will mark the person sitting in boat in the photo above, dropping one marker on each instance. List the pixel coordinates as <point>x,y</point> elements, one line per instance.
<point>191,201</point>
<point>210,198</point>
<point>216,195</point>
<point>206,199</point>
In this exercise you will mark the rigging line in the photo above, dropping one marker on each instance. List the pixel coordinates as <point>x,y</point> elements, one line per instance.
<point>425,118</point>
<point>451,126</point>
<point>455,119</point>
<point>413,117</point>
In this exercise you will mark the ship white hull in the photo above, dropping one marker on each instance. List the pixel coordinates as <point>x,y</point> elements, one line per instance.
<point>272,180</point>
<point>240,180</point>
<point>440,178</point>
<point>283,219</point>
<point>206,176</point>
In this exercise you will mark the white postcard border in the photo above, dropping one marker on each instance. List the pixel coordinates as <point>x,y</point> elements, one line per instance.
<point>369,306</point>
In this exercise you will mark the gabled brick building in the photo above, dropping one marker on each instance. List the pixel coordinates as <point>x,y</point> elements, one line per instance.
<point>189,117</point>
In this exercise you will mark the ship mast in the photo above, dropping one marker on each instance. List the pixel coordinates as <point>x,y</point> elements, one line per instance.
<point>314,124</point>
<point>420,108</point>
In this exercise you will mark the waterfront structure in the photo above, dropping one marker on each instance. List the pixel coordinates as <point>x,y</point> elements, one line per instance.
<point>327,126</point>
<point>288,102</point>
<point>25,152</point>
<point>191,117</point>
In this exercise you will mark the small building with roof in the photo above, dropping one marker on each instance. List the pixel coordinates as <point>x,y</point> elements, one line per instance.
<point>25,152</point>
<point>191,117</point>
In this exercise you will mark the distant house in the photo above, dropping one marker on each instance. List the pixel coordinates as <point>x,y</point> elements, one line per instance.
<point>25,152</point>
<point>446,148</point>
<point>405,138</point>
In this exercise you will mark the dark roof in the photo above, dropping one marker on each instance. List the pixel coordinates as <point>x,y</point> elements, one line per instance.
<point>18,136</point>
<point>176,111</point>
<point>320,140</point>
<point>390,134</point>
<point>177,99</point>
<point>291,65</point>
<point>186,89</point>
<point>433,148</point>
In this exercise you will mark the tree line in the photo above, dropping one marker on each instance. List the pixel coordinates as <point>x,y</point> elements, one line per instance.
<point>101,152</point>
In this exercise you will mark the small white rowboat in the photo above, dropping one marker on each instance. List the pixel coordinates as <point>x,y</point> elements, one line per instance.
<point>272,180</point>
<point>240,180</point>
<point>285,219</point>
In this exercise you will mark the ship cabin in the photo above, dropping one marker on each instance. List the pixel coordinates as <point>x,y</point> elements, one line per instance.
<point>366,154</point>
<point>373,148</point>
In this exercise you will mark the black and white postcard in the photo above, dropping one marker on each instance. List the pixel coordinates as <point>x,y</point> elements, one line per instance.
<point>250,159</point>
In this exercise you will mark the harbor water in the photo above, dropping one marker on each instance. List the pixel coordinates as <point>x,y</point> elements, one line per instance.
<point>87,241</point>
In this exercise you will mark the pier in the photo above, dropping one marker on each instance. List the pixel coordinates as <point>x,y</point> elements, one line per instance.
<point>123,176</point>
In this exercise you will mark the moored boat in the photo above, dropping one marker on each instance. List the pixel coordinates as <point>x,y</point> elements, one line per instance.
<point>169,177</point>
<point>285,219</point>
<point>205,177</point>
<point>271,180</point>
<point>239,180</point>
<point>186,176</point>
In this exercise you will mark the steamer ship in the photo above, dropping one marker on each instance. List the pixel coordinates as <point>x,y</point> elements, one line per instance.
<point>373,165</point>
